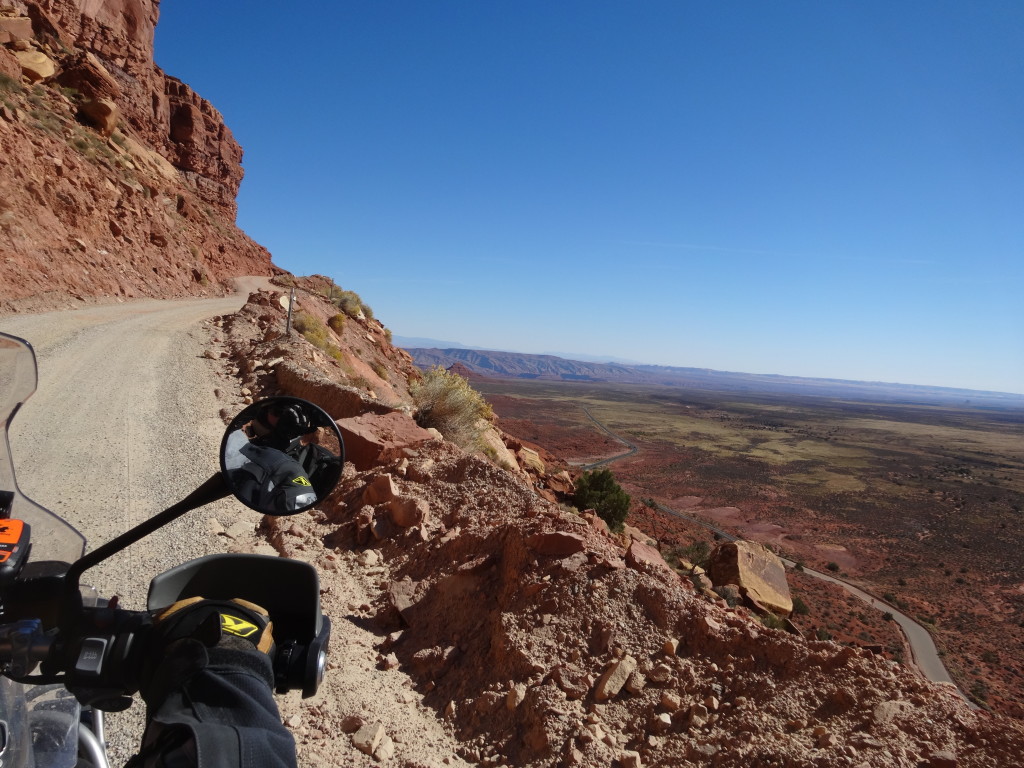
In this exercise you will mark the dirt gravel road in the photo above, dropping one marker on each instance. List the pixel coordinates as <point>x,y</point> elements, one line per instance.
<point>123,424</point>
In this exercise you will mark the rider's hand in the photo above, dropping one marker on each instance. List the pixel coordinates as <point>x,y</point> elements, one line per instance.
<point>236,624</point>
<point>192,634</point>
<point>208,686</point>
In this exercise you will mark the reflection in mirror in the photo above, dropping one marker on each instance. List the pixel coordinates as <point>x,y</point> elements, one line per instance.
<point>282,455</point>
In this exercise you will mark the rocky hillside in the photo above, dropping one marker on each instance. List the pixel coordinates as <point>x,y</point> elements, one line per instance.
<point>116,180</point>
<point>579,646</point>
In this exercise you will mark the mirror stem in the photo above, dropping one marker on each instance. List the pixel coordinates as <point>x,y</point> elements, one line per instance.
<point>212,490</point>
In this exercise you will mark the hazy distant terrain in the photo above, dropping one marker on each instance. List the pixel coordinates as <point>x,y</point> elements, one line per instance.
<point>513,365</point>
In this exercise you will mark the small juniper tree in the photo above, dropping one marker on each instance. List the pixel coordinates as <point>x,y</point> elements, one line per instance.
<point>598,491</point>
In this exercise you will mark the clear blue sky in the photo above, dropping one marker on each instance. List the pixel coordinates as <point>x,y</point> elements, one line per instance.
<point>806,188</point>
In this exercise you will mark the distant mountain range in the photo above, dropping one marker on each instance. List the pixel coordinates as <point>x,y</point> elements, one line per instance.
<point>416,342</point>
<point>514,365</point>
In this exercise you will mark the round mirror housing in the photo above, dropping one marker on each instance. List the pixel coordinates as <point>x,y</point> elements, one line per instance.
<point>282,455</point>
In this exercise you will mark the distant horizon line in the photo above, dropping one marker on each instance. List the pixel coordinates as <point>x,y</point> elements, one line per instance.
<point>411,342</point>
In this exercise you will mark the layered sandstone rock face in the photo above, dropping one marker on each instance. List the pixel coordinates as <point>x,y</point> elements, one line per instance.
<point>115,178</point>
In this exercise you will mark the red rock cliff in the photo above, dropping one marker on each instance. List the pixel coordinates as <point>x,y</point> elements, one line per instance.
<point>115,178</point>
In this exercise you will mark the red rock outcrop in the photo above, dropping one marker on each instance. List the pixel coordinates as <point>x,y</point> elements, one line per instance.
<point>116,180</point>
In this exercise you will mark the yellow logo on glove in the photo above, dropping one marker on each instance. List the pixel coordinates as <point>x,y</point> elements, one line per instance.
<point>236,626</point>
<point>301,480</point>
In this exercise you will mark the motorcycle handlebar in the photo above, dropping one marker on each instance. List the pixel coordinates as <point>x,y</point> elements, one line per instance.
<point>103,657</point>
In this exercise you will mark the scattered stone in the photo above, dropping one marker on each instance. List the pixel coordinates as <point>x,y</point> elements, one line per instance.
<point>614,678</point>
<point>531,460</point>
<point>421,472</point>
<point>239,529</point>
<point>670,647</point>
<point>352,723</point>
<point>35,65</point>
<point>670,701</point>
<point>639,555</point>
<point>636,683</point>
<point>385,750</point>
<point>369,558</point>
<point>102,113</point>
<point>372,439</point>
<point>942,758</point>
<point>662,673</point>
<point>661,722</point>
<point>380,490</point>
<point>516,695</point>
<point>382,528</point>
<point>407,512</point>
<point>629,759</point>
<point>885,711</point>
<point>368,738</point>
<point>556,543</point>
<point>826,740</point>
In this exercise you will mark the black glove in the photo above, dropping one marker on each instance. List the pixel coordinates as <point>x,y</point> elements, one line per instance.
<point>208,689</point>
<point>191,633</point>
<point>236,624</point>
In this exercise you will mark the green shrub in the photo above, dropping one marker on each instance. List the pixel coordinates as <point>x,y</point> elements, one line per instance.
<point>380,370</point>
<point>800,607</point>
<point>349,303</point>
<point>446,402</point>
<point>598,490</point>
<point>696,553</point>
<point>353,306</point>
<point>315,333</point>
<point>834,567</point>
<point>9,84</point>
<point>46,121</point>
<point>772,621</point>
<point>336,323</point>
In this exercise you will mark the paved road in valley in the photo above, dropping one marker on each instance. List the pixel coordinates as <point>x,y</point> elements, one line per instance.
<point>632,447</point>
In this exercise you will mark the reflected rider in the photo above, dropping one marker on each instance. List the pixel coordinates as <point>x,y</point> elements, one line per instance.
<point>260,472</point>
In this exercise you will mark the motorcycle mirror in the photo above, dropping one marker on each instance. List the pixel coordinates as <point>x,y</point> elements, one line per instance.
<point>282,455</point>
